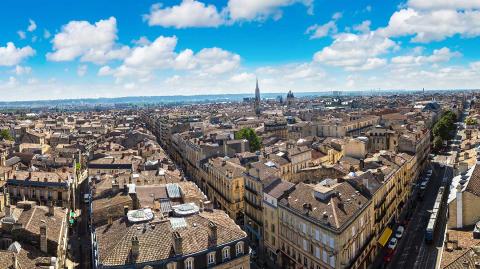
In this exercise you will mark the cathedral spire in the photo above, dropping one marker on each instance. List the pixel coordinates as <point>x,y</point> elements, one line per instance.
<point>257,99</point>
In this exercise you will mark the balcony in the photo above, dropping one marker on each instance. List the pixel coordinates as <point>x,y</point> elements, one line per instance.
<point>258,222</point>
<point>250,189</point>
<point>257,207</point>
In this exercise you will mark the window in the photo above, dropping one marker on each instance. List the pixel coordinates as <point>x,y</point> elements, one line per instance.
<point>226,253</point>
<point>189,263</point>
<point>239,248</point>
<point>172,265</point>
<point>211,258</point>
<point>317,252</point>
<point>332,242</point>
<point>305,245</point>
<point>332,261</point>
<point>317,235</point>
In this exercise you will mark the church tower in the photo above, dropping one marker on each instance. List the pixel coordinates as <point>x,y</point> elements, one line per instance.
<point>257,100</point>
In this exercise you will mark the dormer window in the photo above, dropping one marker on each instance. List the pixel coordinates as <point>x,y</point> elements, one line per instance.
<point>226,253</point>
<point>211,258</point>
<point>239,248</point>
<point>189,263</point>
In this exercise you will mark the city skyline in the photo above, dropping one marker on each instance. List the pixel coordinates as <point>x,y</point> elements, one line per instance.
<point>55,50</point>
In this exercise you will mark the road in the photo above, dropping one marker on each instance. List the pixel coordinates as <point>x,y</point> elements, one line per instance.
<point>412,251</point>
<point>79,236</point>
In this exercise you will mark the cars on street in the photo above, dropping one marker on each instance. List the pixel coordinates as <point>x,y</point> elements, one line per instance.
<point>399,232</point>
<point>423,185</point>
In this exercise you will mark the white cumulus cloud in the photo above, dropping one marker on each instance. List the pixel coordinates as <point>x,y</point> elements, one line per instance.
<point>260,10</point>
<point>356,51</point>
<point>434,25</point>
<point>444,4</point>
<point>89,42</point>
<point>11,55</point>
<point>189,13</point>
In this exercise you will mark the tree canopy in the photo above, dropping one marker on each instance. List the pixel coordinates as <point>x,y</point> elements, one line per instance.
<point>443,128</point>
<point>445,125</point>
<point>5,134</point>
<point>251,136</point>
<point>437,142</point>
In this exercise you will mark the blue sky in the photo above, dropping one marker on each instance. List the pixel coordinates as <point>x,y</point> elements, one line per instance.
<point>74,49</point>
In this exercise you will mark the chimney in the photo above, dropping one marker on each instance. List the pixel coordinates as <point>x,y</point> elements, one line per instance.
<point>362,165</point>
<point>110,219</point>
<point>43,237</point>
<point>115,186</point>
<point>208,206</point>
<point>213,233</point>
<point>15,261</point>
<point>135,247</point>
<point>177,238</point>
<point>201,206</point>
<point>365,182</point>
<point>7,210</point>
<point>125,209</point>
<point>51,208</point>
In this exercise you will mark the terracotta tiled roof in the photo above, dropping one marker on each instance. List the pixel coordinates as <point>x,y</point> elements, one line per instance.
<point>473,185</point>
<point>334,211</point>
<point>156,240</point>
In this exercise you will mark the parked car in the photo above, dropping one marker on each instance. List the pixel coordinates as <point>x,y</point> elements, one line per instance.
<point>392,244</point>
<point>423,185</point>
<point>388,257</point>
<point>399,232</point>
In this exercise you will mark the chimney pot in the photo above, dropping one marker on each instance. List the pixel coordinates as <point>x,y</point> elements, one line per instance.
<point>213,233</point>
<point>177,238</point>
<point>43,237</point>
<point>135,247</point>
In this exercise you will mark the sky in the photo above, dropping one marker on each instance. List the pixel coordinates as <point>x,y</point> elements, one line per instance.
<point>57,49</point>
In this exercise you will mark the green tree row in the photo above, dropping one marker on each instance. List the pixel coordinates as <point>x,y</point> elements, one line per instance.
<point>443,128</point>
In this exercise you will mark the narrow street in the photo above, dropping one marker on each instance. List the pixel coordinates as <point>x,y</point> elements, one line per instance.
<point>412,250</point>
<point>79,236</point>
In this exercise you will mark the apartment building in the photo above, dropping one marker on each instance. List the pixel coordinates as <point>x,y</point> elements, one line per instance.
<point>202,239</point>
<point>271,196</point>
<point>326,225</point>
<point>43,187</point>
<point>225,185</point>
<point>258,176</point>
<point>345,127</point>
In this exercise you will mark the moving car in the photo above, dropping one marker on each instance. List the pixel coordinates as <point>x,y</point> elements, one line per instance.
<point>423,185</point>
<point>86,198</point>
